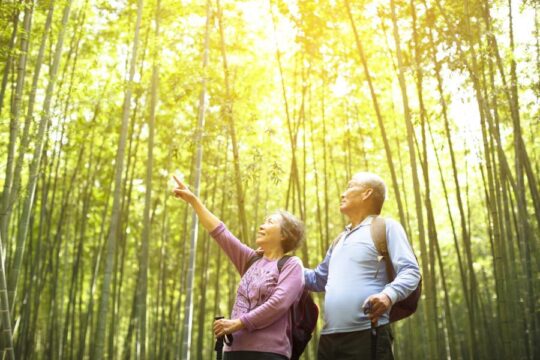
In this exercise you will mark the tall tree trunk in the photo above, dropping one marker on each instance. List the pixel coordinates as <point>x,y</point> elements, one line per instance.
<point>430,290</point>
<point>134,135</point>
<point>463,218</point>
<point>522,161</point>
<point>432,230</point>
<point>99,343</point>
<point>7,335</point>
<point>325,168</point>
<point>229,118</point>
<point>25,138</point>
<point>86,319</point>
<point>473,70</point>
<point>86,199</point>
<point>188,313</point>
<point>14,118</point>
<point>511,93</point>
<point>294,180</point>
<point>36,162</point>
<point>318,215</point>
<point>143,269</point>
<point>378,113</point>
<point>9,61</point>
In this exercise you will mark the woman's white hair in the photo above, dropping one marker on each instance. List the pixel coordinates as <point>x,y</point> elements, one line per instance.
<point>375,182</point>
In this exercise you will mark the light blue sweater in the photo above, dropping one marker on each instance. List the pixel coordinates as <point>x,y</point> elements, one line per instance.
<point>351,272</point>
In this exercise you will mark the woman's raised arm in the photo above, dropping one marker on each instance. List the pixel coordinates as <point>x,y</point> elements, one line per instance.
<point>207,219</point>
<point>238,252</point>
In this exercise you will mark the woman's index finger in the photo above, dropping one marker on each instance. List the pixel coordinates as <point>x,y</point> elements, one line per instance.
<point>178,182</point>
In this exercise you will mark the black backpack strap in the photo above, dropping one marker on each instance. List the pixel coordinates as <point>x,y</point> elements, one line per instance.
<point>251,261</point>
<point>254,258</point>
<point>282,262</point>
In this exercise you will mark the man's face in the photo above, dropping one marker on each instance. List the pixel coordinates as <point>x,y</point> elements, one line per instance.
<point>354,196</point>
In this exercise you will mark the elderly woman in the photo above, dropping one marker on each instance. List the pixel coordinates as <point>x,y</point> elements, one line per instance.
<point>260,318</point>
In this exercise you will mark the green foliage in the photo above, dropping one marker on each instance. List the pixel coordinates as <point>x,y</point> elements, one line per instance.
<point>297,90</point>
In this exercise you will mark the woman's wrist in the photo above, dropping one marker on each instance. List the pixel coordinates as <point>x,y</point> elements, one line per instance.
<point>197,205</point>
<point>238,325</point>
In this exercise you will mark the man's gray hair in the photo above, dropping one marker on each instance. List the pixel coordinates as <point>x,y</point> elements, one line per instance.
<point>374,182</point>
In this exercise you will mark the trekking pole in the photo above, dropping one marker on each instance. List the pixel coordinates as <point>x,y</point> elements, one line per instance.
<point>373,331</point>
<point>374,340</point>
<point>219,343</point>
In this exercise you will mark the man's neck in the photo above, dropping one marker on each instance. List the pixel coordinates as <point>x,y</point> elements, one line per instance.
<point>358,218</point>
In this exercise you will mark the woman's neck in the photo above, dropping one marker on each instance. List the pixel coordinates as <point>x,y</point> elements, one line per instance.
<point>273,253</point>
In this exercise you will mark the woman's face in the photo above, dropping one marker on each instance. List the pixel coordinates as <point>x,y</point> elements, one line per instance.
<point>270,231</point>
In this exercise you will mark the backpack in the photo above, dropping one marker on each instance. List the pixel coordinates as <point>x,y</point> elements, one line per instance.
<point>407,306</point>
<point>304,314</point>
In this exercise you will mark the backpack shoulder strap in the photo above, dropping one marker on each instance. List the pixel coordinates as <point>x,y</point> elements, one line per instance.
<point>282,262</point>
<point>251,261</point>
<point>378,234</point>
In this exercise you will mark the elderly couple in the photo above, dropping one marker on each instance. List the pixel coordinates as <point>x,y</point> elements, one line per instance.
<point>351,275</point>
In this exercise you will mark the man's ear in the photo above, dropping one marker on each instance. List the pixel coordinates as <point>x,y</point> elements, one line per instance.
<point>367,193</point>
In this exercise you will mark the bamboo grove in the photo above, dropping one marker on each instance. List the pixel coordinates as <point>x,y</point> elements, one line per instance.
<point>267,104</point>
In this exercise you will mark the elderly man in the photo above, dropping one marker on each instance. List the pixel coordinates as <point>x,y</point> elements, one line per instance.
<point>355,278</point>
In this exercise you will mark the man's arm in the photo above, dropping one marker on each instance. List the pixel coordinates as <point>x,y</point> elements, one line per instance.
<point>315,279</point>
<point>403,261</point>
<point>405,267</point>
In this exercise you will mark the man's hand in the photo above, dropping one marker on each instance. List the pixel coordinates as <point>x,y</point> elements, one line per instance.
<point>227,326</point>
<point>182,192</point>
<point>380,303</point>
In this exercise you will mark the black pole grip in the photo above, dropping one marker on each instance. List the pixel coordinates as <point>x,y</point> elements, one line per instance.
<point>219,342</point>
